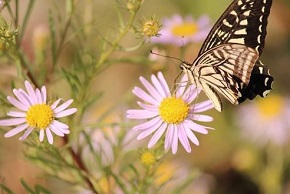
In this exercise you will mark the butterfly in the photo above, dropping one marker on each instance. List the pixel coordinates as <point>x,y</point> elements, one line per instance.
<point>228,62</point>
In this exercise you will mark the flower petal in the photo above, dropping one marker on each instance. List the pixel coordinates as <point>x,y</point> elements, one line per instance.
<point>27,132</point>
<point>157,121</point>
<point>54,105</point>
<point>183,138</point>
<point>31,92</point>
<point>169,137</point>
<point>56,130</point>
<point>141,114</point>
<point>41,135</point>
<point>157,135</point>
<point>16,114</point>
<point>43,94</point>
<point>191,136</point>
<point>65,113</point>
<point>174,145</point>
<point>16,130</point>
<point>59,124</point>
<point>63,106</point>
<point>152,91</point>
<point>147,132</point>
<point>198,117</point>
<point>49,136</point>
<point>144,96</point>
<point>61,127</point>
<point>21,98</point>
<point>196,127</point>
<point>17,104</point>
<point>163,84</point>
<point>38,96</point>
<point>202,106</point>
<point>11,122</point>
<point>148,107</point>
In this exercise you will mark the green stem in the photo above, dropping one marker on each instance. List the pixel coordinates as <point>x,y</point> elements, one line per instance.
<point>104,56</point>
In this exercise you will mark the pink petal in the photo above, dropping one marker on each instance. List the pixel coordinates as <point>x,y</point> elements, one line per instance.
<point>148,107</point>
<point>65,113</point>
<point>147,132</point>
<point>183,138</point>
<point>198,117</point>
<point>144,96</point>
<point>27,132</point>
<point>26,97</point>
<point>21,98</point>
<point>152,91</point>
<point>43,94</point>
<point>17,104</point>
<point>31,92</point>
<point>54,105</point>
<point>157,121</point>
<point>174,145</point>
<point>16,130</point>
<point>63,106</point>
<point>169,137</point>
<point>157,135</point>
<point>163,84</point>
<point>159,86</point>
<point>16,114</point>
<point>41,135</point>
<point>38,96</point>
<point>56,130</point>
<point>59,124</point>
<point>196,127</point>
<point>141,114</point>
<point>202,106</point>
<point>61,127</point>
<point>191,136</point>
<point>11,122</point>
<point>49,136</point>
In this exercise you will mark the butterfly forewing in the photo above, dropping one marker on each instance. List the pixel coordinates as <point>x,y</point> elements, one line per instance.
<point>243,22</point>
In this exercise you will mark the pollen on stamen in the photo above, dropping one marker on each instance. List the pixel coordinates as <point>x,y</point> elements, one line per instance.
<point>39,116</point>
<point>173,110</point>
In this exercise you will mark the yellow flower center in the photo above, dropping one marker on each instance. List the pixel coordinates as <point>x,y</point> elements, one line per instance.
<point>173,110</point>
<point>148,158</point>
<point>39,116</point>
<point>270,106</point>
<point>185,29</point>
<point>151,28</point>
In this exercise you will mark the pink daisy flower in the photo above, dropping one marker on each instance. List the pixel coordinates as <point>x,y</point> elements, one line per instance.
<point>174,115</point>
<point>35,113</point>
<point>267,120</point>
<point>181,31</point>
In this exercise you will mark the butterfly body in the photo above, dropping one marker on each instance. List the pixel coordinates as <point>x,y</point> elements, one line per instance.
<point>228,62</point>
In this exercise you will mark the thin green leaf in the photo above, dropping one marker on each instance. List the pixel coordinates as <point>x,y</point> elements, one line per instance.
<point>30,190</point>
<point>6,189</point>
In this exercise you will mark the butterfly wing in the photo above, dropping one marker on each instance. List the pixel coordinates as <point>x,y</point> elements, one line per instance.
<point>225,69</point>
<point>243,22</point>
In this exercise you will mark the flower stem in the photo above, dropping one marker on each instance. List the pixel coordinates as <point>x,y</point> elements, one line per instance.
<point>77,159</point>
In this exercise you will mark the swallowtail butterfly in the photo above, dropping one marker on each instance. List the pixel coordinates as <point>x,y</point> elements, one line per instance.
<point>228,61</point>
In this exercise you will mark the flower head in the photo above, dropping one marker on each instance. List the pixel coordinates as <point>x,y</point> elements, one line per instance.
<point>35,113</point>
<point>174,115</point>
<point>267,120</point>
<point>179,31</point>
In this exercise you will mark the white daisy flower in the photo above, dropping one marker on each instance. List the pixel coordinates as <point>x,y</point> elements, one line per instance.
<point>36,113</point>
<point>174,115</point>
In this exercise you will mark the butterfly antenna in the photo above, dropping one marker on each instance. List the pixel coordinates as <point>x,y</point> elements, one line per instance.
<point>166,56</point>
